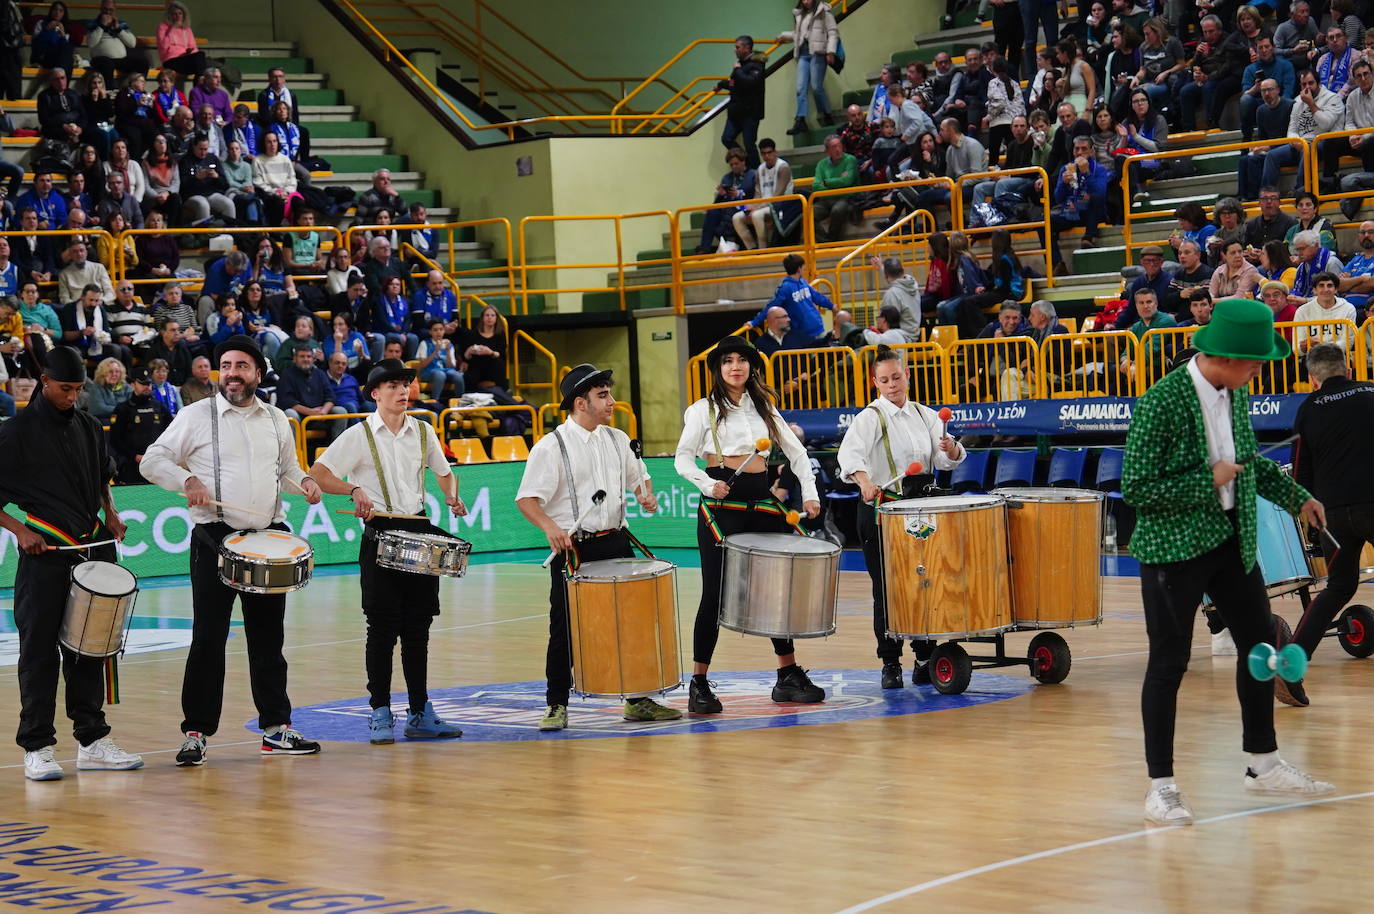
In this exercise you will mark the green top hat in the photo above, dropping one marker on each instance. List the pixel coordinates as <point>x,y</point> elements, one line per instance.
<point>1242,328</point>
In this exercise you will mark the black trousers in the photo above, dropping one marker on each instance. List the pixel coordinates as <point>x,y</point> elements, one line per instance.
<point>1352,526</point>
<point>889,649</point>
<point>398,605</point>
<point>558,660</point>
<point>1330,153</point>
<point>135,61</point>
<point>1172,593</point>
<point>41,585</point>
<point>751,487</point>
<point>264,615</point>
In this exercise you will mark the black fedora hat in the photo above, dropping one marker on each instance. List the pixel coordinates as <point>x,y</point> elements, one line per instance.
<point>240,343</point>
<point>387,370</point>
<point>734,344</point>
<point>580,380</point>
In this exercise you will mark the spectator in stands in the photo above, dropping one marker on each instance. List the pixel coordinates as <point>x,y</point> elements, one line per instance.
<point>380,196</point>
<point>206,127</point>
<point>880,106</point>
<point>800,300</point>
<point>1105,142</point>
<point>837,170</point>
<point>1034,14</point>
<point>130,320</point>
<point>1082,82</point>
<point>61,115</point>
<point>303,391</point>
<point>1325,307</point>
<point>1069,126</point>
<point>162,193</point>
<point>1153,278</point>
<point>276,91</point>
<point>1228,213</point>
<point>778,334</point>
<point>169,347</point>
<point>176,43</point>
<point>381,265</point>
<point>1268,65</point>
<point>98,110</point>
<point>857,134</point>
<point>774,179</point>
<point>886,329</point>
<point>737,184</point>
<point>198,386</point>
<point>1191,276</point>
<point>1162,58</point>
<point>1313,259</point>
<point>209,90</point>
<point>343,386</point>
<point>118,200</point>
<point>245,131</point>
<point>113,45</point>
<point>81,272</point>
<point>340,271</point>
<point>76,196</point>
<point>238,174</point>
<point>134,425</point>
<point>274,176</point>
<point>1275,295</point>
<point>439,364</point>
<point>293,142</point>
<point>226,322</point>
<point>168,98</point>
<point>1149,318</point>
<point>745,109</point>
<point>105,390</point>
<point>1297,35</point>
<point>135,115</point>
<point>1010,322</point>
<point>909,120</point>
<point>264,323</point>
<point>42,327</point>
<point>159,256</point>
<point>171,305</point>
<point>1334,68</point>
<point>45,202</point>
<point>901,294</point>
<point>1271,122</point>
<point>1199,309</point>
<point>10,274</point>
<point>1277,263</point>
<point>346,341</point>
<point>391,314</point>
<point>32,254</point>
<point>484,350</point>
<point>1236,277</point>
<point>54,43</point>
<point>1144,130</point>
<point>1217,65</point>
<point>354,301</point>
<point>302,256</point>
<point>302,338</point>
<point>1305,203</point>
<point>1359,114</point>
<point>1079,196</point>
<point>163,392</point>
<point>1269,224</point>
<point>1357,277</point>
<point>968,94</point>
<point>963,155</point>
<point>971,289</point>
<point>1193,225</point>
<point>134,179</point>
<point>203,185</point>
<point>1343,14</point>
<point>1004,103</point>
<point>181,133</point>
<point>435,301</point>
<point>817,37</point>
<point>225,276</point>
<point>86,327</point>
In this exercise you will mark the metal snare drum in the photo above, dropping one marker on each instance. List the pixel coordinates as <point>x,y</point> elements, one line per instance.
<point>779,585</point>
<point>100,605</point>
<point>423,553</point>
<point>265,561</point>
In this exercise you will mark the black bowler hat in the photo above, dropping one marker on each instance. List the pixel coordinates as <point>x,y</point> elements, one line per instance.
<point>65,366</point>
<point>581,379</point>
<point>734,344</point>
<point>387,370</point>
<point>240,343</point>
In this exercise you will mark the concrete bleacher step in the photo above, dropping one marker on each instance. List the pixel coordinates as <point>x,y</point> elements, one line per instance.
<point>293,66</point>
<point>246,49</point>
<point>341,130</point>
<point>312,113</point>
<point>336,147</point>
<point>402,180</point>
<point>370,162</point>
<point>304,97</point>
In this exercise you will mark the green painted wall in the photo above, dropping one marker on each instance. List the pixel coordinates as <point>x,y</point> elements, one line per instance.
<point>663,352</point>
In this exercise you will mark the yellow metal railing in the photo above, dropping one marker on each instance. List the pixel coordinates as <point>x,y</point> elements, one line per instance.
<point>90,235</point>
<point>1312,167</point>
<point>449,231</point>
<point>813,378</point>
<point>521,386</point>
<point>328,234</point>
<point>698,377</point>
<point>989,370</point>
<point>858,279</point>
<point>618,264</point>
<point>765,263</point>
<point>305,433</point>
<point>1035,228</point>
<point>1089,364</point>
<point>927,368</point>
<point>454,419</point>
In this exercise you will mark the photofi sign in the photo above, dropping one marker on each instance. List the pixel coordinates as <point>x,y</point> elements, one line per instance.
<point>159,523</point>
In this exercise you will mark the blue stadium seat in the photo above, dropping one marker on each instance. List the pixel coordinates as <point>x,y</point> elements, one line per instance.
<point>1015,468</point>
<point>1109,471</point>
<point>972,474</point>
<point>1066,466</point>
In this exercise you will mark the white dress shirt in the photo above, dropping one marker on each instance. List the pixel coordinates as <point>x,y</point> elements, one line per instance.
<point>350,457</point>
<point>257,451</point>
<point>738,431</point>
<point>600,460</point>
<point>913,431</point>
<point>1216,421</point>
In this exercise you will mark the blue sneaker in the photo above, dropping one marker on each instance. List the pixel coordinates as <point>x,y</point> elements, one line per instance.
<point>427,725</point>
<point>380,727</point>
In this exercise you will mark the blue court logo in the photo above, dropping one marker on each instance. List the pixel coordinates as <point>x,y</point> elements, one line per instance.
<point>510,711</point>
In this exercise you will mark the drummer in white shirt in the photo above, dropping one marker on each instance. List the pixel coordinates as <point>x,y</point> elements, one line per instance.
<point>220,449</point>
<point>573,490</point>
<point>883,440</point>
<point>724,427</point>
<point>384,459</point>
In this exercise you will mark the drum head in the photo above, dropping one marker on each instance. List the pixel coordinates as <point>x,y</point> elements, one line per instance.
<point>781,544</point>
<point>105,579</point>
<point>427,539</point>
<point>630,569</point>
<point>1046,493</point>
<point>272,545</point>
<point>941,504</point>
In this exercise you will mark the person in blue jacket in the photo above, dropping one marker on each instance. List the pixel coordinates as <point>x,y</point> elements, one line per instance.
<point>1080,194</point>
<point>801,301</point>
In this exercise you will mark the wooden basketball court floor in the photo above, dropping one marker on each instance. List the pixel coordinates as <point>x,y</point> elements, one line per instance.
<point>1031,803</point>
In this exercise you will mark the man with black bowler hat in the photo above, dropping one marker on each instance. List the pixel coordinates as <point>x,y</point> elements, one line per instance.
<point>384,459</point>
<point>574,491</point>
<point>237,450</point>
<point>54,466</point>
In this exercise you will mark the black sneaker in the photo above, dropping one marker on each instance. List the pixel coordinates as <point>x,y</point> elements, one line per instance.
<point>892,675</point>
<point>701,700</point>
<point>1291,693</point>
<point>288,742</point>
<point>193,750</point>
<point>921,674</point>
<point>797,688</point>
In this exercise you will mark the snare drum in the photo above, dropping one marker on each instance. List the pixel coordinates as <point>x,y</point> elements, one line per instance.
<point>1282,557</point>
<point>779,585</point>
<point>100,605</point>
<point>945,567</point>
<point>265,561</point>
<point>423,553</point>
<point>1056,546</point>
<point>622,618</point>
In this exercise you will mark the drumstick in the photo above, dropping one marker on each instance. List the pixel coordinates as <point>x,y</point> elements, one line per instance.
<point>81,546</point>
<point>761,447</point>
<point>384,514</point>
<point>945,415</point>
<point>794,518</point>
<point>225,504</point>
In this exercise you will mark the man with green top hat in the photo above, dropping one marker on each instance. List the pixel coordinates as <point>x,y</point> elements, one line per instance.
<point>1192,470</point>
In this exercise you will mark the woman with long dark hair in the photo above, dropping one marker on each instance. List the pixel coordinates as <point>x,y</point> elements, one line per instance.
<point>1010,281</point>
<point>1277,263</point>
<point>1144,130</point>
<point>940,278</point>
<point>1082,81</point>
<point>724,428</point>
<point>483,348</point>
<point>55,39</point>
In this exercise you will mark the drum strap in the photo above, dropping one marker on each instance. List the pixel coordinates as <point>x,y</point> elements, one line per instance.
<point>56,532</point>
<point>887,440</point>
<point>710,505</point>
<point>715,436</point>
<point>377,460</point>
<point>567,471</point>
<point>214,445</point>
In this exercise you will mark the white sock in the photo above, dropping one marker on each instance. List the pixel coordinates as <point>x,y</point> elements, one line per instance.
<point>273,731</point>
<point>1156,783</point>
<point>1264,762</point>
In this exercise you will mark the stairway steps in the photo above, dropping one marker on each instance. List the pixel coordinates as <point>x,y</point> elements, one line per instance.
<point>341,129</point>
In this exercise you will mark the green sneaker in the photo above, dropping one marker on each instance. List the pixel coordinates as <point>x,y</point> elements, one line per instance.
<point>555,718</point>
<point>646,709</point>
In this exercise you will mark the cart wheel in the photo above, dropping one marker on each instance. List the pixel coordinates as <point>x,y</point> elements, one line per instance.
<point>1357,631</point>
<point>950,669</point>
<point>1050,658</point>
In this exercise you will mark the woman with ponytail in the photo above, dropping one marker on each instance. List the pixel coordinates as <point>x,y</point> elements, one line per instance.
<point>725,427</point>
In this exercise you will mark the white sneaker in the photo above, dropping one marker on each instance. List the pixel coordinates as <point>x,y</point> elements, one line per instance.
<point>41,766</point>
<point>1223,645</point>
<point>1288,780</point>
<point>104,755</point>
<point>1165,806</point>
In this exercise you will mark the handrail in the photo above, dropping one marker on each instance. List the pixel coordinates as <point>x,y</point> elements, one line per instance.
<point>1128,217</point>
<point>521,386</point>
<point>956,197</point>
<point>894,235</point>
<point>257,231</point>
<point>619,264</point>
<point>449,228</point>
<point>1045,197</point>
<point>691,46</point>
<point>301,430</point>
<point>927,365</point>
<point>451,412</point>
<point>434,267</point>
<point>1311,165</point>
<point>772,255</point>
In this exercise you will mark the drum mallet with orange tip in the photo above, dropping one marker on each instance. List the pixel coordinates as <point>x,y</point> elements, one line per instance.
<point>945,415</point>
<point>761,447</point>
